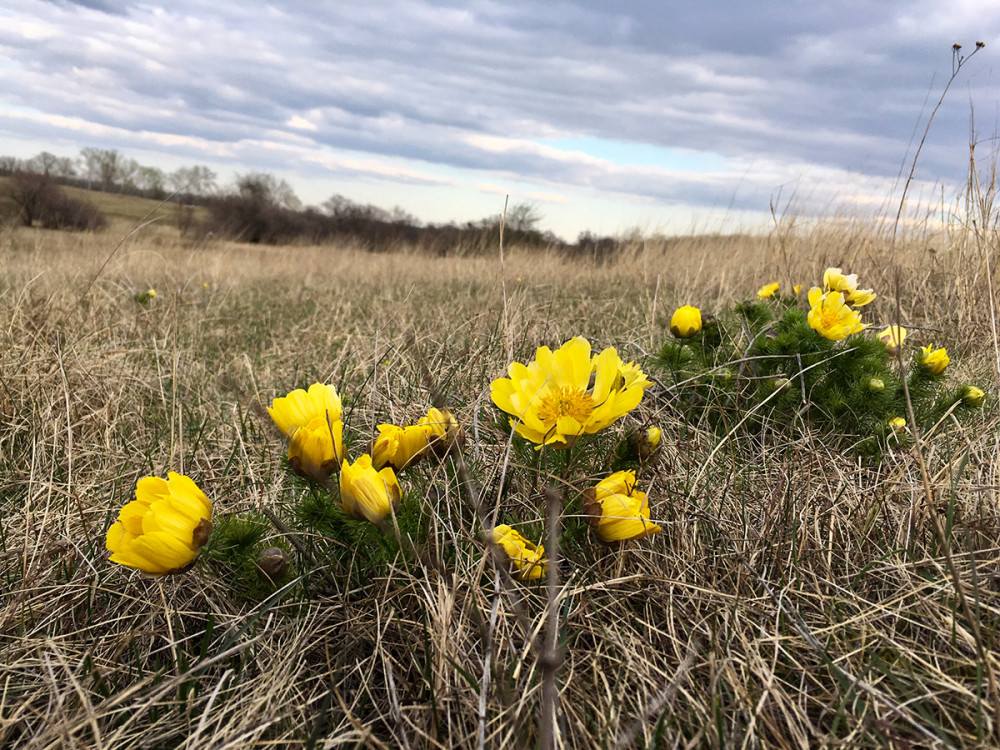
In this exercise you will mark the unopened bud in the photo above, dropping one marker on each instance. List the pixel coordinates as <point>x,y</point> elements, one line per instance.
<point>781,384</point>
<point>876,385</point>
<point>897,424</point>
<point>273,564</point>
<point>972,396</point>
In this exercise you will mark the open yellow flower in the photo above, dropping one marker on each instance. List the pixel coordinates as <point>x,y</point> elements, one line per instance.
<point>767,291</point>
<point>685,322</point>
<point>400,447</point>
<point>527,560</point>
<point>934,360</point>
<point>162,530</point>
<point>893,337</point>
<point>897,424</point>
<point>567,393</point>
<point>847,284</point>
<point>617,510</point>
<point>830,316</point>
<point>366,493</point>
<point>312,421</point>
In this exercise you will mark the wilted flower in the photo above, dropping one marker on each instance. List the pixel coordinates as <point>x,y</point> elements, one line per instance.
<point>897,424</point>
<point>831,317</point>
<point>162,530</point>
<point>400,447</point>
<point>366,493</point>
<point>527,560</point>
<point>893,337</point>
<point>934,360</point>
<point>617,510</point>
<point>312,420</point>
<point>972,396</point>
<point>767,291</point>
<point>685,322</point>
<point>567,393</point>
<point>835,281</point>
<point>273,564</point>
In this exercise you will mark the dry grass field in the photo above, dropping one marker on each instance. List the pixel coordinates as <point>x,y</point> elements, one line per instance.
<point>797,597</point>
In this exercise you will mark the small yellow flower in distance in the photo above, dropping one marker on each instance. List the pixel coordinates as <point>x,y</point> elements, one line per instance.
<point>617,510</point>
<point>972,396</point>
<point>566,393</point>
<point>685,322</point>
<point>830,316</point>
<point>162,530</point>
<point>527,560</point>
<point>835,281</point>
<point>366,493</point>
<point>897,424</point>
<point>312,421</point>
<point>797,289</point>
<point>767,291</point>
<point>893,338</point>
<point>934,360</point>
<point>151,293</point>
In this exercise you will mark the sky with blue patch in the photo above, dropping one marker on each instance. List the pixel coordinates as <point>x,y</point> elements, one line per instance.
<point>666,117</point>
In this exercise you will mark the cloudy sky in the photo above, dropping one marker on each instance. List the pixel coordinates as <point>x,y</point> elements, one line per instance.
<point>666,116</point>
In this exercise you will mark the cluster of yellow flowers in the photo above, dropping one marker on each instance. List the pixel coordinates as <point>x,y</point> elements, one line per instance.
<point>831,315</point>
<point>552,401</point>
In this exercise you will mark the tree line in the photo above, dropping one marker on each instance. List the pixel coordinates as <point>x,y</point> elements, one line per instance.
<point>262,208</point>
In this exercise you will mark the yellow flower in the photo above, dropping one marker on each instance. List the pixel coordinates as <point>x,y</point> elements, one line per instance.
<point>934,360</point>
<point>972,396</point>
<point>685,322</point>
<point>653,437</point>
<point>151,293</point>
<point>527,560</point>
<point>162,530</point>
<point>567,393</point>
<point>767,291</point>
<point>312,420</point>
<point>893,338</point>
<point>617,510</point>
<point>368,494</point>
<point>831,317</point>
<point>835,281</point>
<point>797,289</point>
<point>400,447</point>
<point>897,424</point>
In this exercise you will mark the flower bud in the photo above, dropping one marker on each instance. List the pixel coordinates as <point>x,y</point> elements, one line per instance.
<point>644,443</point>
<point>781,384</point>
<point>876,385</point>
<point>273,564</point>
<point>972,396</point>
<point>685,322</point>
<point>897,425</point>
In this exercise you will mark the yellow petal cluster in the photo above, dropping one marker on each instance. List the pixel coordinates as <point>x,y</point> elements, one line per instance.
<point>312,421</point>
<point>831,317</point>
<point>893,337</point>
<point>897,424</point>
<point>685,322</point>
<point>972,396</point>
<point>847,284</point>
<point>617,510</point>
<point>566,393</point>
<point>367,493</point>
<point>400,447</point>
<point>934,360</point>
<point>767,291</point>
<point>527,560</point>
<point>162,530</point>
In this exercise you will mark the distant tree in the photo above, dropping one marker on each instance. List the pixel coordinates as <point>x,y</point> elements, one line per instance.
<point>29,190</point>
<point>39,200</point>
<point>64,167</point>
<point>196,181</point>
<point>9,164</point>
<point>267,189</point>
<point>523,217</point>
<point>42,163</point>
<point>151,181</point>
<point>102,166</point>
<point>128,171</point>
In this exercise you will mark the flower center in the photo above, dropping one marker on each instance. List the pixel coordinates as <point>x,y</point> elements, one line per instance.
<point>829,318</point>
<point>566,402</point>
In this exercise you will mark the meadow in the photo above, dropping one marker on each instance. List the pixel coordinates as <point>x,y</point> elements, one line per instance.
<point>798,596</point>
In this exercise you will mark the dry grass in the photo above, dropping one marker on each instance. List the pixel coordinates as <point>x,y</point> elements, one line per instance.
<point>796,598</point>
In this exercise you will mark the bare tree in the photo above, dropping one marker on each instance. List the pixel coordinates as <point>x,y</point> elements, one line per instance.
<point>268,190</point>
<point>196,180</point>
<point>101,166</point>
<point>42,163</point>
<point>151,181</point>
